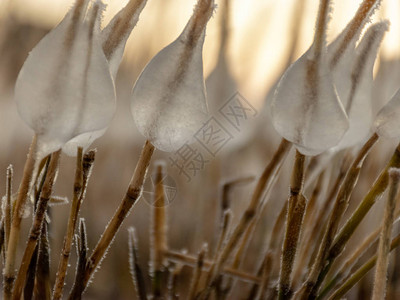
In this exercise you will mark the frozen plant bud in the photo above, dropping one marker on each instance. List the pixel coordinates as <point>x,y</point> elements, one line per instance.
<point>65,87</point>
<point>346,41</point>
<point>306,109</point>
<point>114,37</point>
<point>387,122</point>
<point>169,99</point>
<point>353,78</point>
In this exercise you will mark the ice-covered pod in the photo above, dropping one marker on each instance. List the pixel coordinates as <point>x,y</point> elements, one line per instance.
<point>169,98</point>
<point>306,109</point>
<point>387,122</point>
<point>356,96</point>
<point>352,68</point>
<point>65,87</point>
<point>114,37</point>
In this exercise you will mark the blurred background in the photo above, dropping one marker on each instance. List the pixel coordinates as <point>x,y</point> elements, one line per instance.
<point>260,39</point>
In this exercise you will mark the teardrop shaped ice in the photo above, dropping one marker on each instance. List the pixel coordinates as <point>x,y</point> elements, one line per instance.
<point>306,109</point>
<point>169,99</point>
<point>387,122</point>
<point>353,78</point>
<point>114,37</point>
<point>65,88</point>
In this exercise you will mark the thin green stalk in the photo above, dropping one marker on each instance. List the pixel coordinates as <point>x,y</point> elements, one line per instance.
<point>360,273</point>
<point>309,288</point>
<point>349,263</point>
<point>354,258</point>
<point>376,191</point>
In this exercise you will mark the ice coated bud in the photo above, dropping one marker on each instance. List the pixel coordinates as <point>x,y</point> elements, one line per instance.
<point>306,109</point>
<point>169,99</point>
<point>387,122</point>
<point>114,37</point>
<point>65,87</point>
<point>353,77</point>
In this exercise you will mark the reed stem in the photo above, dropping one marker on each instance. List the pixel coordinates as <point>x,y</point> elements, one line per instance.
<point>296,208</point>
<point>360,273</point>
<point>380,281</point>
<point>264,183</point>
<point>310,288</point>
<point>376,191</point>
<point>23,191</point>
<point>84,165</point>
<point>132,195</point>
<point>36,228</point>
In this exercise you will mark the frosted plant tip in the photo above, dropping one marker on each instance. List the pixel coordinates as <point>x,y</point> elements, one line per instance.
<point>394,173</point>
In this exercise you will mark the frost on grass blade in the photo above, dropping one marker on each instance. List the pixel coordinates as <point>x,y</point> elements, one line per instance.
<point>353,78</point>
<point>65,88</point>
<point>169,99</point>
<point>306,109</point>
<point>387,122</point>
